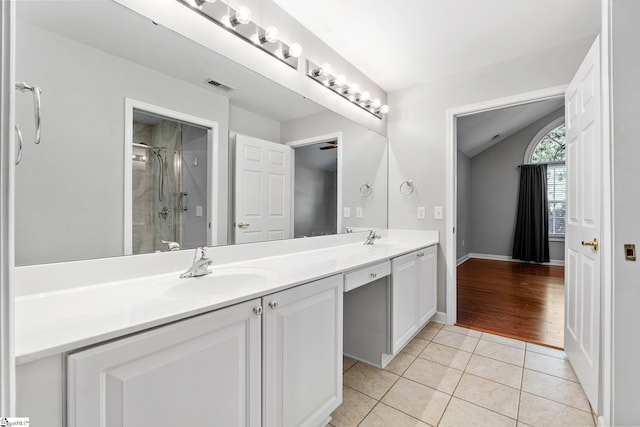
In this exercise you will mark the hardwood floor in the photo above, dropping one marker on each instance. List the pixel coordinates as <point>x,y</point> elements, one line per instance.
<point>517,300</point>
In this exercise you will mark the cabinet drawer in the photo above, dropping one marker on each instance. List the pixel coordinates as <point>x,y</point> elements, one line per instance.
<point>362,276</point>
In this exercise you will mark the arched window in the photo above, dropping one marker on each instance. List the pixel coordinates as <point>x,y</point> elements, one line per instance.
<point>548,146</point>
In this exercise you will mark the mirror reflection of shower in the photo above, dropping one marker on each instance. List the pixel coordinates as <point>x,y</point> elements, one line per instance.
<point>165,184</point>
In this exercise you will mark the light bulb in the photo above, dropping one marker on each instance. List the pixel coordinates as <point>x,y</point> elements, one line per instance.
<point>339,81</point>
<point>326,69</point>
<point>242,16</point>
<point>295,50</point>
<point>271,35</point>
<point>354,88</point>
<point>376,103</point>
<point>364,96</point>
<point>384,109</point>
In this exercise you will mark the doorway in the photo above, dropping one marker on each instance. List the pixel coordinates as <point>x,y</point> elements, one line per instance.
<point>453,176</point>
<point>170,193</point>
<point>317,185</point>
<point>496,293</point>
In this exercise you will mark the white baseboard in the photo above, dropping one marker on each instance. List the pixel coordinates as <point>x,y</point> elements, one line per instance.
<point>508,258</point>
<point>462,259</point>
<point>439,317</point>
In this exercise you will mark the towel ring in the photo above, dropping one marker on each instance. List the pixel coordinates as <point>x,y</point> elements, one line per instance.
<point>366,189</point>
<point>408,184</point>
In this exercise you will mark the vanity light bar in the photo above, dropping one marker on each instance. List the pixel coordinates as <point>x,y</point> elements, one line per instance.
<point>351,92</point>
<point>238,22</point>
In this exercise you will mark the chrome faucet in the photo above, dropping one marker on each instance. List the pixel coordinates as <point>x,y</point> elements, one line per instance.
<point>371,237</point>
<point>200,265</point>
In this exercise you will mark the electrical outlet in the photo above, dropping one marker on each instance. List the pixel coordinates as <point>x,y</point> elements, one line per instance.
<point>421,212</point>
<point>462,242</point>
<point>198,210</point>
<point>346,212</point>
<point>437,212</point>
<point>359,212</point>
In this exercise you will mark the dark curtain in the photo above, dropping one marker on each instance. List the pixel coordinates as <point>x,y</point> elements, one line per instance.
<point>531,241</point>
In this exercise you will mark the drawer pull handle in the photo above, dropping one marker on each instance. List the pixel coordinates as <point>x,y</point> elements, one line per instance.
<point>257,310</point>
<point>273,305</point>
<point>374,275</point>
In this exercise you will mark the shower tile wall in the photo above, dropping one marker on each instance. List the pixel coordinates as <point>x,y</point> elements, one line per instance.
<point>149,227</point>
<point>143,191</point>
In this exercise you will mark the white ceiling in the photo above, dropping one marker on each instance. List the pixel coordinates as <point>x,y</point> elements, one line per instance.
<point>402,43</point>
<point>477,132</point>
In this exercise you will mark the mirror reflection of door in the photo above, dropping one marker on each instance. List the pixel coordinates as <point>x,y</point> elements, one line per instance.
<point>316,189</point>
<point>262,190</point>
<point>169,184</point>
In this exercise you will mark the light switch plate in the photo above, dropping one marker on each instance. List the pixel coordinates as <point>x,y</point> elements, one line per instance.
<point>359,212</point>
<point>437,212</point>
<point>346,212</point>
<point>421,212</point>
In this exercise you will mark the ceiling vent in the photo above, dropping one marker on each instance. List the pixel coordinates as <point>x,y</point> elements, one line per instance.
<point>219,85</point>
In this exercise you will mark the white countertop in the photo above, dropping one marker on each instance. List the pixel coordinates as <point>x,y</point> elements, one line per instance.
<point>66,319</point>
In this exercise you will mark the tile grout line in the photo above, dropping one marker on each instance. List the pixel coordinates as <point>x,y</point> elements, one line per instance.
<point>521,385</point>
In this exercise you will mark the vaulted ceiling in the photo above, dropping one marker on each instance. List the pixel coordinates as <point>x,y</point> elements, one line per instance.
<point>403,43</point>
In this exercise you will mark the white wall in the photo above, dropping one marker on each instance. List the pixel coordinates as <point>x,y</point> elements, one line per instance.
<point>626,155</point>
<point>82,146</point>
<point>252,124</point>
<point>417,130</point>
<point>364,160</point>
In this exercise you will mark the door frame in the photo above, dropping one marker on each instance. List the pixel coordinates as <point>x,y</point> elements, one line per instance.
<point>7,208</point>
<point>212,165</point>
<point>319,139</point>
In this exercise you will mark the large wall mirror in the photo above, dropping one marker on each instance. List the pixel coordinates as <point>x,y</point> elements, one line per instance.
<point>152,142</point>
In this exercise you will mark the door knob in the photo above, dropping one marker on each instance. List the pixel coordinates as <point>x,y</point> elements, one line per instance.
<point>594,244</point>
<point>243,225</point>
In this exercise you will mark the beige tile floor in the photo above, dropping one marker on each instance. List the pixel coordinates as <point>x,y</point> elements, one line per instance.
<point>452,376</point>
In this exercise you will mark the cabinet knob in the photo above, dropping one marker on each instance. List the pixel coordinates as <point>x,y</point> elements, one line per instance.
<point>420,254</point>
<point>374,275</point>
<point>273,304</point>
<point>257,310</point>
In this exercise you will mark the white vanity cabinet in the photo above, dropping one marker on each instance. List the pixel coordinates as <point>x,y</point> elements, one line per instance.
<point>274,361</point>
<point>188,373</point>
<point>413,294</point>
<point>302,353</point>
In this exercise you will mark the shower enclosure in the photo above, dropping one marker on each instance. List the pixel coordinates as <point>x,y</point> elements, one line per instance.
<point>169,184</point>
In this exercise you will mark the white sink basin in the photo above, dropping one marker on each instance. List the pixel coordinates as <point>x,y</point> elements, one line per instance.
<point>221,279</point>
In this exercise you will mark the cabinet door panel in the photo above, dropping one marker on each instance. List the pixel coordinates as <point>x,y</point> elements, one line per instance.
<point>202,371</point>
<point>427,284</point>
<point>303,353</point>
<point>404,279</point>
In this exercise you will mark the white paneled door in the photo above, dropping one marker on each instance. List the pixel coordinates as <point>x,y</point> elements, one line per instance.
<point>582,271</point>
<point>262,190</point>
